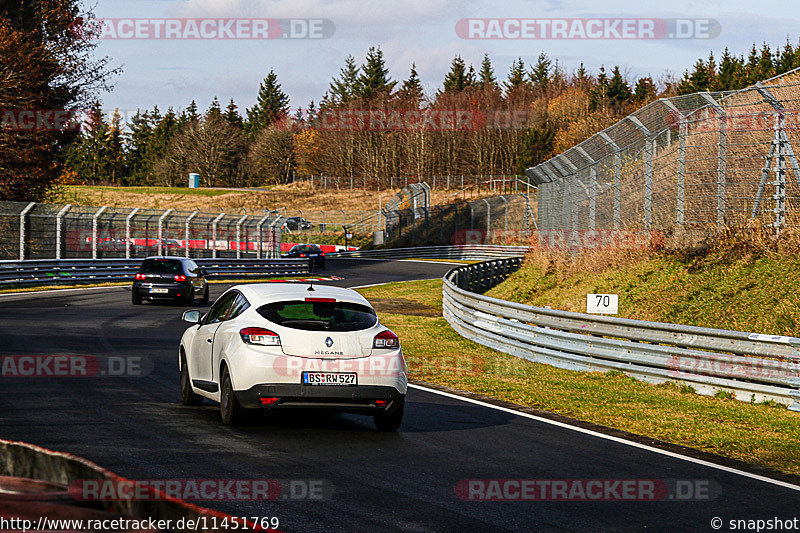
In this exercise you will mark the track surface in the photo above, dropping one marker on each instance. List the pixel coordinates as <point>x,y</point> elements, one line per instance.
<point>136,427</point>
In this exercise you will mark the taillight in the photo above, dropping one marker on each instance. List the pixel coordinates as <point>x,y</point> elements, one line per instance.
<point>269,401</point>
<point>386,340</point>
<point>322,300</point>
<point>180,277</point>
<point>322,254</point>
<point>302,255</point>
<point>260,337</point>
<point>140,277</point>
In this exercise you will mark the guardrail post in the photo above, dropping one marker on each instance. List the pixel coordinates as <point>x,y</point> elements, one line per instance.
<point>22,216</point>
<point>161,219</point>
<point>186,236</point>
<point>94,230</point>
<point>239,235</point>
<point>59,220</point>
<point>128,232</point>
<point>214,224</point>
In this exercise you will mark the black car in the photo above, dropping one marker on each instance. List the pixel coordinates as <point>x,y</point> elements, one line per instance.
<point>297,224</point>
<point>169,278</point>
<point>311,251</point>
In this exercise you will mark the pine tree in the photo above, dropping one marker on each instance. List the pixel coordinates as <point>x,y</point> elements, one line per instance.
<point>619,93</point>
<point>731,73</point>
<point>411,89</point>
<point>272,104</point>
<point>486,78</point>
<point>645,90</point>
<point>214,110</point>
<point>343,89</point>
<point>516,75</point>
<point>457,79</point>
<point>191,112</point>
<point>540,73</point>
<point>598,95</point>
<point>374,79</point>
<point>232,115</point>
<point>582,80</point>
<point>141,131</point>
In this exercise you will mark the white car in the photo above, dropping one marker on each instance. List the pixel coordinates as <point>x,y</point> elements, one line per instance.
<point>289,345</point>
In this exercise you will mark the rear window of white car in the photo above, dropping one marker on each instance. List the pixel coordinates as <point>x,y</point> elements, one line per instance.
<point>320,316</point>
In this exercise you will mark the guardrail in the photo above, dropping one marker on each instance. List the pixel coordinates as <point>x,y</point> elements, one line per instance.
<point>466,252</point>
<point>752,366</point>
<point>79,271</point>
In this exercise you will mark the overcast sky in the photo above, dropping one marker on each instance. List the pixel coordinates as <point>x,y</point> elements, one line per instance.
<point>172,72</point>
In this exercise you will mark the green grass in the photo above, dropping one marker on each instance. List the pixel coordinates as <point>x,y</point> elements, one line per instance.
<point>761,434</point>
<point>743,294</point>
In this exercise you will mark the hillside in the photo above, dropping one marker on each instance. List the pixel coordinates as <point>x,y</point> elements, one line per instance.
<point>745,282</point>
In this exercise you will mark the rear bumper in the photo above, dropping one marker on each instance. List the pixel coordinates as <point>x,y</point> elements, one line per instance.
<point>174,290</point>
<point>360,399</point>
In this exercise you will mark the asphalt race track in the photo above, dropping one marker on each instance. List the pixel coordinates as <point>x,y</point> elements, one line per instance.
<point>372,481</point>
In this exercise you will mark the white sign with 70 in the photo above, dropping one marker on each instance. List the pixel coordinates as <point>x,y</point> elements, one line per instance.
<point>602,304</point>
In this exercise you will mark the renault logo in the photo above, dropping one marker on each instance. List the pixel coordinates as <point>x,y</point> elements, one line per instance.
<point>328,342</point>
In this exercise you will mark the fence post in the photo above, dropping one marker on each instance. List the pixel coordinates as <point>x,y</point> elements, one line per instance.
<point>59,219</point>
<point>167,213</point>
<point>128,232</point>
<point>488,219</point>
<point>276,244</point>
<point>214,224</point>
<point>505,211</point>
<point>471,216</point>
<point>344,218</point>
<point>649,144</point>
<point>722,144</point>
<point>186,234</point>
<point>592,188</point>
<point>94,230</point>
<point>322,230</point>
<point>362,219</point>
<point>261,235</point>
<point>22,216</point>
<point>239,235</point>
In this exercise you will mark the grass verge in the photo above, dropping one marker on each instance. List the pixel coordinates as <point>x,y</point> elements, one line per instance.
<point>760,434</point>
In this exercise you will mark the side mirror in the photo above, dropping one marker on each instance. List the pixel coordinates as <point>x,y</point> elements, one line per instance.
<point>192,317</point>
<point>203,272</point>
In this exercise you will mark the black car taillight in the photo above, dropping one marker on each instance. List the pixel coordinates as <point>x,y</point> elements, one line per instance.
<point>140,277</point>
<point>180,277</point>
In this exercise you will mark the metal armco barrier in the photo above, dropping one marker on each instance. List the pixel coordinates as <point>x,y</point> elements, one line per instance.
<point>749,365</point>
<point>78,271</point>
<point>468,252</point>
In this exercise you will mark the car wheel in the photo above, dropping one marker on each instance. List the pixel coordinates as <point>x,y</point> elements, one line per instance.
<point>136,299</point>
<point>390,420</point>
<point>188,396</point>
<point>204,299</point>
<point>189,298</point>
<point>231,410</point>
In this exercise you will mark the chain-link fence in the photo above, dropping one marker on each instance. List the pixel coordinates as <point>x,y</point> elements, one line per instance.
<point>681,167</point>
<point>506,219</point>
<point>45,231</point>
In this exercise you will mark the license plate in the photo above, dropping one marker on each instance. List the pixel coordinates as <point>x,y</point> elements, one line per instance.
<point>159,291</point>
<point>330,378</point>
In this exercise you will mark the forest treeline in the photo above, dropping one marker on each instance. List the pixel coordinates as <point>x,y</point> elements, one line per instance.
<point>476,122</point>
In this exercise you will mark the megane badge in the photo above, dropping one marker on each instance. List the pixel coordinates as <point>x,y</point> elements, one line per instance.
<point>328,342</point>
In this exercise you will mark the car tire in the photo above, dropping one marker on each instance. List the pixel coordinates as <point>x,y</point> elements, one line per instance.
<point>390,420</point>
<point>204,299</point>
<point>136,299</point>
<point>188,396</point>
<point>230,409</point>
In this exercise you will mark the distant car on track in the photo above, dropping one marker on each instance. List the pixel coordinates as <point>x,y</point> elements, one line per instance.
<point>169,278</point>
<point>297,224</point>
<point>280,346</point>
<point>311,251</point>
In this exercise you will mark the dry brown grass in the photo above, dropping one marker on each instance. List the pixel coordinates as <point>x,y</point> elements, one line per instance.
<point>292,197</point>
